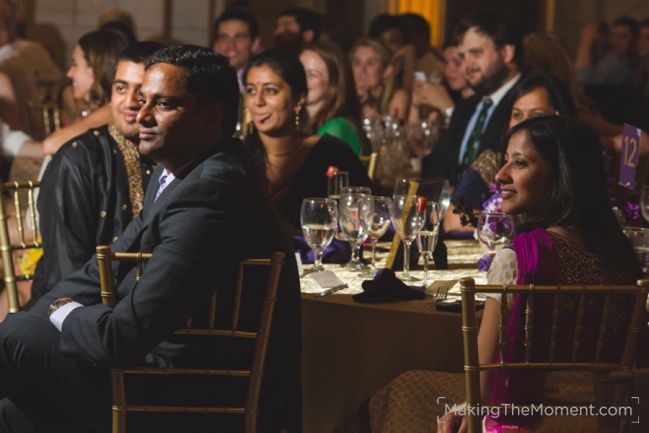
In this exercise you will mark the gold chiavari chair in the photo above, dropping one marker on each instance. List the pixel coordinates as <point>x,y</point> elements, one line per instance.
<point>636,294</point>
<point>14,208</point>
<point>254,372</point>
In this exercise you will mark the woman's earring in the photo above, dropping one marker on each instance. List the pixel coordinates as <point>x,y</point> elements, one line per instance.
<point>297,119</point>
<point>251,128</point>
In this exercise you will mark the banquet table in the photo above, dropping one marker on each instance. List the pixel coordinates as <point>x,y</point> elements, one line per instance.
<point>351,350</point>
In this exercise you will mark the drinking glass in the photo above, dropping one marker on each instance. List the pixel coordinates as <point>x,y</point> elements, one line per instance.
<point>444,199</point>
<point>428,234</point>
<point>319,218</point>
<point>336,183</point>
<point>374,213</point>
<point>495,230</point>
<point>351,228</point>
<point>644,202</point>
<point>639,238</point>
<point>407,218</point>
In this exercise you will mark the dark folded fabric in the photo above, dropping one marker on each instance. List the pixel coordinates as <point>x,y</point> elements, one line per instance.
<point>336,252</point>
<point>386,287</point>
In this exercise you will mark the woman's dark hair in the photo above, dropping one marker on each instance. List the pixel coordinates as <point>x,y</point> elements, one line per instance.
<point>208,75</point>
<point>342,100</point>
<point>578,191</point>
<point>558,96</point>
<point>384,22</point>
<point>100,50</point>
<point>287,65</point>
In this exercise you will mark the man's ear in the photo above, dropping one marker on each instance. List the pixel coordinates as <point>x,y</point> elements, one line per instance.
<point>508,52</point>
<point>255,45</point>
<point>308,36</point>
<point>215,113</point>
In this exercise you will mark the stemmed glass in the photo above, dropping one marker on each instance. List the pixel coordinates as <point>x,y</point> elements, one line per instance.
<point>408,217</point>
<point>644,202</point>
<point>495,230</point>
<point>427,236</point>
<point>639,238</point>
<point>319,218</point>
<point>336,183</point>
<point>374,213</point>
<point>351,228</point>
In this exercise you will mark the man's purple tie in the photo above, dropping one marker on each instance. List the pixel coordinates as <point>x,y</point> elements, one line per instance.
<point>163,185</point>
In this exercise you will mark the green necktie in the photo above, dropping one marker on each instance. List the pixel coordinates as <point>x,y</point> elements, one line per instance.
<point>473,144</point>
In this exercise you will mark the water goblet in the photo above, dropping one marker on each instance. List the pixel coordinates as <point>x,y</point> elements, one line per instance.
<point>427,236</point>
<point>336,183</point>
<point>374,214</point>
<point>408,217</point>
<point>495,230</point>
<point>351,228</point>
<point>639,238</point>
<point>319,217</point>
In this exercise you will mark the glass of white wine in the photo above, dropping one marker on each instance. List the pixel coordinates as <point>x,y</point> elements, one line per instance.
<point>427,236</point>
<point>319,218</point>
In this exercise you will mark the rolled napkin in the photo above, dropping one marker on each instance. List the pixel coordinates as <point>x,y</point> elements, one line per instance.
<point>336,252</point>
<point>386,287</point>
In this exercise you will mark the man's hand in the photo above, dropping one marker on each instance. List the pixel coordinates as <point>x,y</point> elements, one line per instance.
<point>452,422</point>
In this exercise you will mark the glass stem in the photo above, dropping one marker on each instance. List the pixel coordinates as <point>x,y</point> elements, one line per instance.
<point>373,271</point>
<point>406,260</point>
<point>357,253</point>
<point>425,270</point>
<point>317,258</point>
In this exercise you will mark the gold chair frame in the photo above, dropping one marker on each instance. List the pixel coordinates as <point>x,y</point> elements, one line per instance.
<point>472,366</point>
<point>6,247</point>
<point>120,406</point>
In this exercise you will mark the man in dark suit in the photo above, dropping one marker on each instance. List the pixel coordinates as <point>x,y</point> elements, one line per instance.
<point>208,214</point>
<point>491,47</point>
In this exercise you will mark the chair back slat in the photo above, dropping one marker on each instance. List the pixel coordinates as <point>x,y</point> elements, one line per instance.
<point>261,338</point>
<point>554,331</point>
<point>578,327</point>
<point>529,324</point>
<point>535,299</point>
<point>602,328</point>
<point>502,325</point>
<point>26,222</point>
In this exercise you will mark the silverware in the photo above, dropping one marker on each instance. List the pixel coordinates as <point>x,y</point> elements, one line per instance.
<point>331,290</point>
<point>440,295</point>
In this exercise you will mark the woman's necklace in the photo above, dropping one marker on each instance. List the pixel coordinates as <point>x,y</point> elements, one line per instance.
<point>291,151</point>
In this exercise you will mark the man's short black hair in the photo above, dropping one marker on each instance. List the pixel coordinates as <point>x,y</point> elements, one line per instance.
<point>417,25</point>
<point>209,76</point>
<point>139,52</point>
<point>238,14</point>
<point>307,19</point>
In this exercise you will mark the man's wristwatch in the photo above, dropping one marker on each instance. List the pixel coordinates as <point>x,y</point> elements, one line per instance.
<point>58,304</point>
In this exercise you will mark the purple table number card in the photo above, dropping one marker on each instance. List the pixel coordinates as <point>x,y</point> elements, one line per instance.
<point>629,156</point>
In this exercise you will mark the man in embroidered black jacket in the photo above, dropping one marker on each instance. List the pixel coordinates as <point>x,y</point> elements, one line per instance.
<point>94,186</point>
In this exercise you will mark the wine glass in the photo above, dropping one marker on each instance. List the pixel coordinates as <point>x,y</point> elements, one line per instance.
<point>427,236</point>
<point>319,217</point>
<point>336,183</point>
<point>495,230</point>
<point>639,238</point>
<point>444,199</point>
<point>351,228</point>
<point>374,213</point>
<point>644,202</point>
<point>402,187</point>
<point>408,217</point>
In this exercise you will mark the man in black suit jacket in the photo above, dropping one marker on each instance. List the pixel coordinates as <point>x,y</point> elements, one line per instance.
<point>491,48</point>
<point>211,214</point>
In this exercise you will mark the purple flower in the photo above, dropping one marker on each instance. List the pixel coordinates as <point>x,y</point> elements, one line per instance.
<point>493,203</point>
<point>483,263</point>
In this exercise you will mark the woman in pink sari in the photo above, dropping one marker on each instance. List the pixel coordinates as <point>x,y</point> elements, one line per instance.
<point>553,178</point>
